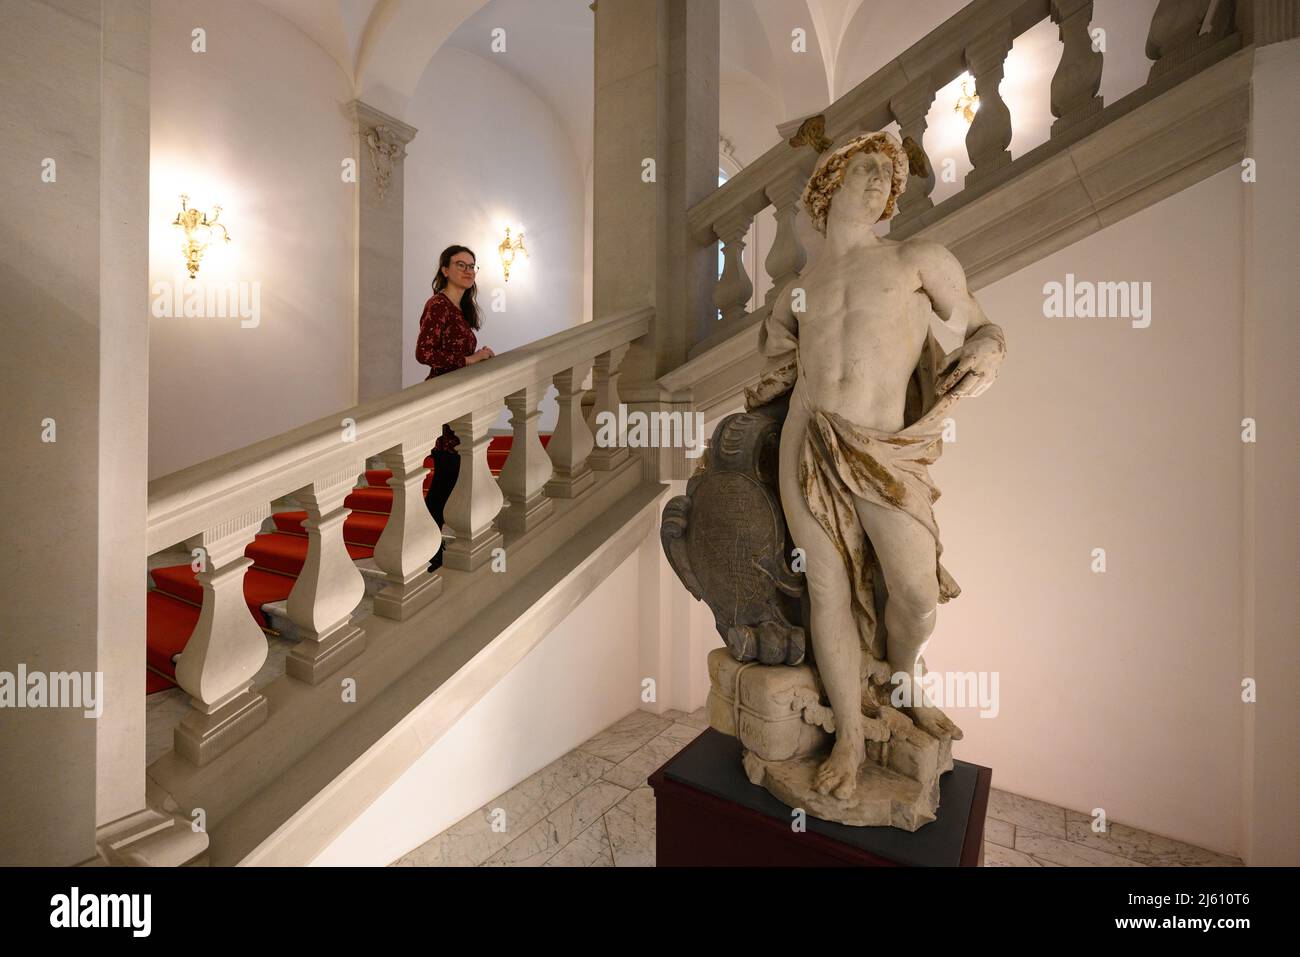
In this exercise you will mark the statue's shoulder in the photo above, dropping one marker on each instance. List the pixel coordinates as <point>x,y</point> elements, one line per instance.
<point>926,252</point>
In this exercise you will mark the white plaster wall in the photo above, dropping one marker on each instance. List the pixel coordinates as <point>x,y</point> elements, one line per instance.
<point>491,154</point>
<point>1117,690</point>
<point>579,680</point>
<point>256,125</point>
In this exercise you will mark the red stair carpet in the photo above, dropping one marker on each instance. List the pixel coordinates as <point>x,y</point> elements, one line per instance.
<point>172,607</point>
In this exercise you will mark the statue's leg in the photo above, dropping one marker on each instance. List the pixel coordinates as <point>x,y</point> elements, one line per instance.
<point>906,552</point>
<point>835,641</point>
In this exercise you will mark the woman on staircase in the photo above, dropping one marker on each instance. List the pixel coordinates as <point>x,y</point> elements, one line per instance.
<point>447,342</point>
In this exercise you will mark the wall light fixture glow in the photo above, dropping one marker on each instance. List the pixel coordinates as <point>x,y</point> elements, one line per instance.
<point>507,249</point>
<point>198,229</point>
<point>968,103</point>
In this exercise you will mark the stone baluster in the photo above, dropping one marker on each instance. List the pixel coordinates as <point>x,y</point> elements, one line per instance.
<point>604,382</point>
<point>911,107</point>
<point>1174,38</point>
<point>1078,75</point>
<point>572,441</point>
<point>329,587</point>
<point>411,536</point>
<point>787,256</point>
<point>226,649</point>
<point>474,503</point>
<point>734,286</point>
<point>528,468</point>
<point>990,133</point>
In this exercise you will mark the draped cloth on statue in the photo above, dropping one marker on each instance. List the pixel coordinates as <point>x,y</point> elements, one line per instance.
<point>841,461</point>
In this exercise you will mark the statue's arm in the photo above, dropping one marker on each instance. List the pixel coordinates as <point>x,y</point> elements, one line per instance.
<point>944,282</point>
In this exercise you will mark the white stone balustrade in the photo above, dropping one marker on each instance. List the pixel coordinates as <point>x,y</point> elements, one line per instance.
<point>220,505</point>
<point>977,38</point>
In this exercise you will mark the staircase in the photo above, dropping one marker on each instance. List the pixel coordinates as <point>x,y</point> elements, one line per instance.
<point>278,769</point>
<point>176,596</point>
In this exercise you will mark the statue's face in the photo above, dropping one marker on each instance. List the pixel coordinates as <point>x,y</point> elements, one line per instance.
<point>864,193</point>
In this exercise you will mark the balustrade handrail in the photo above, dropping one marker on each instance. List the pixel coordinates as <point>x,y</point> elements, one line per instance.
<point>937,58</point>
<point>190,500</point>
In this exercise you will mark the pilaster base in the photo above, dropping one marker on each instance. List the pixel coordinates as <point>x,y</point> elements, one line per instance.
<point>399,601</point>
<point>468,553</point>
<point>152,839</point>
<point>606,460</point>
<point>201,737</point>
<point>312,661</point>
<point>522,516</point>
<point>571,486</point>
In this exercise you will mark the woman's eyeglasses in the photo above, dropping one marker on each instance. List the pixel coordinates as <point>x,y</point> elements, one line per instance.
<point>464,266</point>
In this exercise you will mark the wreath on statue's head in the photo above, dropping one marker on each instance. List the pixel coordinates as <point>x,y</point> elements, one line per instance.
<point>829,175</point>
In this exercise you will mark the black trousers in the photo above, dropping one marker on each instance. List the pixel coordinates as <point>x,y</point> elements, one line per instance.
<point>446,469</point>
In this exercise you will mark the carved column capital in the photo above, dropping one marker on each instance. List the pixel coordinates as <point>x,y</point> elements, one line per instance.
<point>383,138</point>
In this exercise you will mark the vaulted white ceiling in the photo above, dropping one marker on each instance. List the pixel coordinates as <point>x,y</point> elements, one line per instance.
<point>384,46</point>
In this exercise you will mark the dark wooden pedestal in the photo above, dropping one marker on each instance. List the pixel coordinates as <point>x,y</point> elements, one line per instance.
<point>708,814</point>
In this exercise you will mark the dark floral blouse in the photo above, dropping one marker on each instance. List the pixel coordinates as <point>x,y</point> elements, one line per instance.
<point>445,341</point>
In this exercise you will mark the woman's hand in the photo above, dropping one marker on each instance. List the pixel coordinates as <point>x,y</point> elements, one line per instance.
<point>484,353</point>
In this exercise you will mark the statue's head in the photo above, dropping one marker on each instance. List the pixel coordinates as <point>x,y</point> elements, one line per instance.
<point>869,171</point>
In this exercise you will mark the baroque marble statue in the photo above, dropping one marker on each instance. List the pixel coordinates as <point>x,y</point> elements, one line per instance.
<point>810,528</point>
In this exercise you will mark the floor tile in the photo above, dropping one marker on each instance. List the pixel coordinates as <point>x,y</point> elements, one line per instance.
<point>1150,849</point>
<point>548,836</point>
<point>589,849</point>
<point>625,736</point>
<point>999,832</point>
<point>1057,850</point>
<point>1026,812</point>
<point>633,770</point>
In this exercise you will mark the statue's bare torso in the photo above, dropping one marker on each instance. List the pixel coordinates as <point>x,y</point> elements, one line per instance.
<point>862,332</point>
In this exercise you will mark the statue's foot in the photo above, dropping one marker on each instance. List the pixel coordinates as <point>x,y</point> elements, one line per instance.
<point>931,719</point>
<point>838,775</point>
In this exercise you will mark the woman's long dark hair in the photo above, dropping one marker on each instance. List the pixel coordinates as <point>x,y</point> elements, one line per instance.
<point>469,301</point>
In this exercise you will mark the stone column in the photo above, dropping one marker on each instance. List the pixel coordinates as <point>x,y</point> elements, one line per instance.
<point>656,99</point>
<point>1271,469</point>
<point>381,153</point>
<point>75,240</point>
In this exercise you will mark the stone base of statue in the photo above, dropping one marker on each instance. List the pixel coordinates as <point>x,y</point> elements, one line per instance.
<point>708,814</point>
<point>786,731</point>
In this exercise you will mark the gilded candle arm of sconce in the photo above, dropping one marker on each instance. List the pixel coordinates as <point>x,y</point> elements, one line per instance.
<point>192,221</point>
<point>507,251</point>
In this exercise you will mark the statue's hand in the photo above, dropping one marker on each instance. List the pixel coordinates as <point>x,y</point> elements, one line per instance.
<point>972,369</point>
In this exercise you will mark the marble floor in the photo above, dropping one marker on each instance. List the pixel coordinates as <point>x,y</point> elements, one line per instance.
<point>592,808</point>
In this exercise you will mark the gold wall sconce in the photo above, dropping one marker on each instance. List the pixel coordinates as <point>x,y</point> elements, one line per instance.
<point>968,103</point>
<point>507,249</point>
<point>198,232</point>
